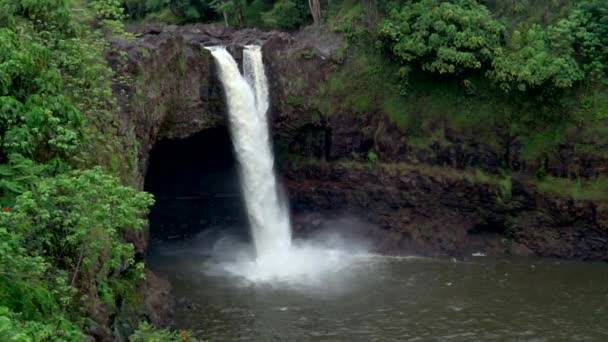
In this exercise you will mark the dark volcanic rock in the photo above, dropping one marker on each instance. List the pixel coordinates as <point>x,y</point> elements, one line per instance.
<point>435,214</point>
<point>158,301</point>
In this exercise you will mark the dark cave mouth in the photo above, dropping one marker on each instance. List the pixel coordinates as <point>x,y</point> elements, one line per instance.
<point>196,186</point>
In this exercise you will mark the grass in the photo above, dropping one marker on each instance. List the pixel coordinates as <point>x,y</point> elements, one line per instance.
<point>357,87</point>
<point>368,83</point>
<point>594,189</point>
<point>308,54</point>
<point>579,190</point>
<point>471,175</point>
<point>296,101</point>
<point>505,187</point>
<point>472,108</point>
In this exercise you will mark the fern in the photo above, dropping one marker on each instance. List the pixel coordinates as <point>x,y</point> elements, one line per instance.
<point>17,176</point>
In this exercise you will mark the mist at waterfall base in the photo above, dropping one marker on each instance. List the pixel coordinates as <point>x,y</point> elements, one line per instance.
<point>275,258</point>
<point>324,259</point>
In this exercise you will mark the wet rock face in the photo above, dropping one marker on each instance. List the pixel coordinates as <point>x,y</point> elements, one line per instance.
<point>158,301</point>
<point>414,212</point>
<point>168,89</point>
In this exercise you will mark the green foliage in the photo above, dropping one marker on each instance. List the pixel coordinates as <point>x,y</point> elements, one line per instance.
<point>523,13</point>
<point>15,329</point>
<point>458,36</point>
<point>190,11</point>
<point>516,75</point>
<point>77,220</point>
<point>350,21</point>
<point>42,14</point>
<point>23,286</point>
<point>556,55</point>
<point>372,157</point>
<point>308,54</point>
<point>349,89</point>
<point>579,189</point>
<point>231,10</point>
<point>396,109</point>
<point>296,101</point>
<point>17,177</point>
<point>540,143</point>
<point>48,79</point>
<point>152,10</point>
<point>444,37</point>
<point>165,16</point>
<point>31,294</point>
<point>505,190</point>
<point>269,14</point>
<point>537,58</point>
<point>37,119</point>
<point>170,11</point>
<point>62,231</point>
<point>148,333</point>
<point>591,33</point>
<point>108,9</point>
<point>67,225</point>
<point>111,14</point>
<point>284,14</point>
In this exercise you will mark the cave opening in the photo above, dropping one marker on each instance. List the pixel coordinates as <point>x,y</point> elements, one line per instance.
<point>196,186</point>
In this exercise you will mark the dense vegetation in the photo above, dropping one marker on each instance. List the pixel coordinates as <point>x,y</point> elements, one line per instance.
<point>523,73</point>
<point>495,71</point>
<point>67,207</point>
<point>286,14</point>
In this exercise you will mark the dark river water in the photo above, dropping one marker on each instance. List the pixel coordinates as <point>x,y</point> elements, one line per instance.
<point>376,298</point>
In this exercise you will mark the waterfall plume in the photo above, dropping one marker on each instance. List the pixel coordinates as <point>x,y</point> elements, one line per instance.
<point>247,99</point>
<point>276,256</point>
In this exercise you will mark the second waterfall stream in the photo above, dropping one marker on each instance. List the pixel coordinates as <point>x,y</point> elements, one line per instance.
<point>247,98</point>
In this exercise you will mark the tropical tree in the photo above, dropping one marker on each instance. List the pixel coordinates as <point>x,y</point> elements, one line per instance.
<point>230,7</point>
<point>445,37</point>
<point>315,11</point>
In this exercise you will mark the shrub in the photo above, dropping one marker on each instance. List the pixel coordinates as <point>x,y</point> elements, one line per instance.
<point>444,37</point>
<point>505,188</point>
<point>77,220</point>
<point>37,119</point>
<point>147,333</point>
<point>591,33</point>
<point>32,294</point>
<point>63,248</point>
<point>13,328</point>
<point>284,14</point>
<point>17,176</point>
<point>535,60</point>
<point>67,233</point>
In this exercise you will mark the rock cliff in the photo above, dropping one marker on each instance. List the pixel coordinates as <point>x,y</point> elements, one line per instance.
<point>416,200</point>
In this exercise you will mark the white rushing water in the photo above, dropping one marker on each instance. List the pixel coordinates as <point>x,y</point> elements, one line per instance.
<point>276,257</point>
<point>253,68</point>
<point>247,99</point>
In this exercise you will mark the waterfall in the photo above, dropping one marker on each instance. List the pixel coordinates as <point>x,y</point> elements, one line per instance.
<point>253,68</point>
<point>247,99</point>
<point>276,256</point>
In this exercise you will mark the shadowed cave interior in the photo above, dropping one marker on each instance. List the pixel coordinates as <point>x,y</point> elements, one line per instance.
<point>196,186</point>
